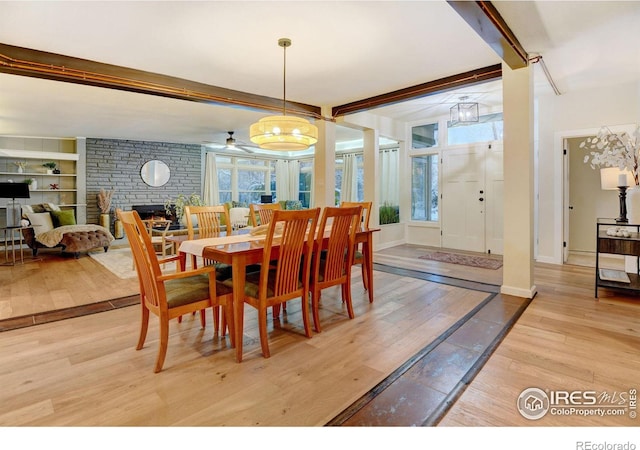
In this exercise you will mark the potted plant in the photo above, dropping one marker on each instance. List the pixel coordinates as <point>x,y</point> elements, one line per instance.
<point>33,184</point>
<point>50,166</point>
<point>177,205</point>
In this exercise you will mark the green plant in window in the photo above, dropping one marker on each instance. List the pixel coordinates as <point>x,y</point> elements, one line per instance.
<point>389,214</point>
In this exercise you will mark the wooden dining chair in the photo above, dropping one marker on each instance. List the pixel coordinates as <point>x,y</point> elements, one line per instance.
<point>158,229</point>
<point>169,296</point>
<point>358,256</point>
<point>208,222</point>
<point>333,257</point>
<point>285,268</point>
<point>261,214</point>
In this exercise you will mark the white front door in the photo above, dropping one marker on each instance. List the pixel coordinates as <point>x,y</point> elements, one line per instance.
<point>463,198</point>
<point>494,199</point>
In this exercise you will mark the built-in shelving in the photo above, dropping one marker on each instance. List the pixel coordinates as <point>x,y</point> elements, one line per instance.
<point>66,181</point>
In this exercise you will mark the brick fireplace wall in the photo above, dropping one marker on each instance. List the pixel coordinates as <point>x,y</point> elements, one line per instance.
<point>115,164</point>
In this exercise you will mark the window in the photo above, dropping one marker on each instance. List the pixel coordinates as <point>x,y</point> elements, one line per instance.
<point>306,183</point>
<point>424,136</point>
<point>358,161</point>
<point>488,128</point>
<point>244,179</point>
<point>424,188</point>
<point>224,184</point>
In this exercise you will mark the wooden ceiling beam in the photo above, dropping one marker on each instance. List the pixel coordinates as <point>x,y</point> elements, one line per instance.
<point>421,90</point>
<point>51,66</point>
<point>485,19</point>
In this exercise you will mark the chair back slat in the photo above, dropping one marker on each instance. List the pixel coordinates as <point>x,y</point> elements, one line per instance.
<point>339,248</point>
<point>365,215</point>
<point>262,214</point>
<point>294,251</point>
<point>209,221</point>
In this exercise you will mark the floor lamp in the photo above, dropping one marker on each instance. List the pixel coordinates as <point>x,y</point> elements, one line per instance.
<point>14,191</point>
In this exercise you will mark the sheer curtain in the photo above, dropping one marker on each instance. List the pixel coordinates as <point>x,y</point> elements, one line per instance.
<point>287,179</point>
<point>389,177</point>
<point>211,191</point>
<point>349,188</point>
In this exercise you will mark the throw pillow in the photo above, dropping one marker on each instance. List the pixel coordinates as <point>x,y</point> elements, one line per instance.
<point>41,222</point>
<point>63,217</point>
<point>293,205</point>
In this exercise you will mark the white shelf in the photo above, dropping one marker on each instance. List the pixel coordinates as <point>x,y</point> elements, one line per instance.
<point>39,174</point>
<point>26,154</point>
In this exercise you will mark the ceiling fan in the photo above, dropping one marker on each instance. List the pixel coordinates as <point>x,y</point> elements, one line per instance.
<point>232,144</point>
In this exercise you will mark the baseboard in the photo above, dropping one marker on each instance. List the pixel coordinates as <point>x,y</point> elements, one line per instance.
<point>548,260</point>
<point>389,244</point>
<point>519,292</point>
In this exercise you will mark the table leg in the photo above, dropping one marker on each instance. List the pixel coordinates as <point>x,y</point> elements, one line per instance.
<point>182,262</point>
<point>238,273</point>
<point>368,264</point>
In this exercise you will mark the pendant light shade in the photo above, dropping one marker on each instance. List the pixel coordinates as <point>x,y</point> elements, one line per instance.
<point>283,133</point>
<point>287,133</point>
<point>464,112</point>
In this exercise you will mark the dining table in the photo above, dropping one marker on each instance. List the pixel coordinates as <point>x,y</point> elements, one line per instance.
<point>239,249</point>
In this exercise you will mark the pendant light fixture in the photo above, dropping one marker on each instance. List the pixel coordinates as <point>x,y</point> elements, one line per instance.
<point>283,132</point>
<point>464,112</point>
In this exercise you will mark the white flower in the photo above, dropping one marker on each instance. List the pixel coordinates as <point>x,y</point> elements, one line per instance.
<point>610,149</point>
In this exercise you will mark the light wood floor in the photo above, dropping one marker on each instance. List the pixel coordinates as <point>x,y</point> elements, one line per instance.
<point>84,371</point>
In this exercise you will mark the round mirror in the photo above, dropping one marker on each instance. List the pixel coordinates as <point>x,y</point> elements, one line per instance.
<point>155,173</point>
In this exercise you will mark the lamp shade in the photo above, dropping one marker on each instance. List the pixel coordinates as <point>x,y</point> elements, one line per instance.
<point>14,190</point>
<point>611,178</point>
<point>283,133</point>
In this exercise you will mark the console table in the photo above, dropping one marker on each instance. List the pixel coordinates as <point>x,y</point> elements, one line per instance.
<point>619,245</point>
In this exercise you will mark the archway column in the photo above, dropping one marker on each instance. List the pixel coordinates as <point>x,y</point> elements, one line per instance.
<point>324,163</point>
<point>518,262</point>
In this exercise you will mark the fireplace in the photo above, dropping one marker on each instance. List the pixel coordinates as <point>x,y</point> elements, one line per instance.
<point>156,212</point>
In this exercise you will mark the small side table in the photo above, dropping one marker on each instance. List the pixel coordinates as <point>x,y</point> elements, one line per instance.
<point>10,240</point>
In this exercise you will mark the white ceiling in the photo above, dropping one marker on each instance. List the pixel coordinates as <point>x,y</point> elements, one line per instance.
<point>342,51</point>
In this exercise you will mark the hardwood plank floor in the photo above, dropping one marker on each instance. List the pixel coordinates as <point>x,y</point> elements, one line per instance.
<point>565,340</point>
<point>85,372</point>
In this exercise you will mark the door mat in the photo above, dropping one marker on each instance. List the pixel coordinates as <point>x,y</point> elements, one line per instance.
<point>464,260</point>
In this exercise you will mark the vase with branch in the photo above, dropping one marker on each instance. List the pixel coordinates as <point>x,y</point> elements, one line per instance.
<point>621,150</point>
<point>104,204</point>
<point>21,165</point>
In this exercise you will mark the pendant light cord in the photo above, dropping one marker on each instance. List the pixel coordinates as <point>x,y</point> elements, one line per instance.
<point>284,83</point>
<point>284,43</point>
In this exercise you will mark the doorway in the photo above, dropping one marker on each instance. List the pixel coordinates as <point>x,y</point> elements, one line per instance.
<point>472,198</point>
<point>585,202</point>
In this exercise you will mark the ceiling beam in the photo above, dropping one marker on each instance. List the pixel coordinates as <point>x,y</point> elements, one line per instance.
<point>485,19</point>
<point>51,66</point>
<point>421,90</point>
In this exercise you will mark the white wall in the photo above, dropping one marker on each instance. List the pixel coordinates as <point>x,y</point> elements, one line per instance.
<point>572,114</point>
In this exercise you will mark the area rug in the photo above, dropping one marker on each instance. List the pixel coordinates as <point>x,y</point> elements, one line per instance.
<point>464,260</point>
<point>119,261</point>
